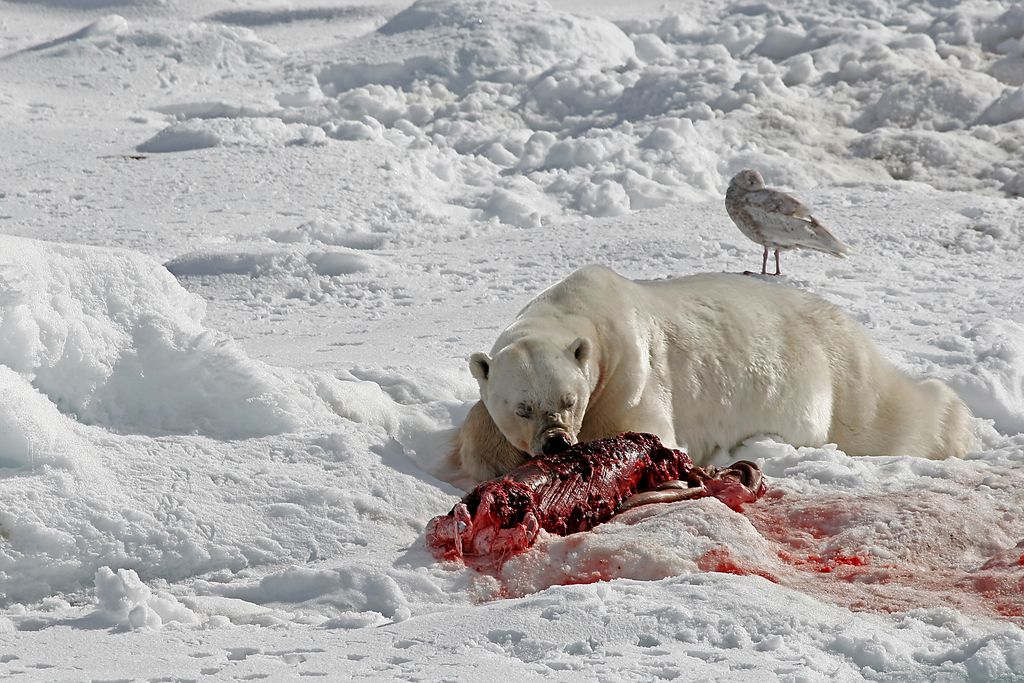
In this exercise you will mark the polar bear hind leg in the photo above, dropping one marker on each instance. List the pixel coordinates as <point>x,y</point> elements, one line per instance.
<point>920,418</point>
<point>955,436</point>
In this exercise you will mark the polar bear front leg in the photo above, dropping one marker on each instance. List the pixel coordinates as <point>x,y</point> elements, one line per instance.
<point>480,450</point>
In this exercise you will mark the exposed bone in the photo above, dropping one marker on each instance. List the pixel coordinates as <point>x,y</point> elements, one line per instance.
<point>664,494</point>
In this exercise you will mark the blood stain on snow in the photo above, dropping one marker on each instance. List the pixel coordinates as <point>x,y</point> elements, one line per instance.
<point>866,552</point>
<point>810,533</point>
<point>721,560</point>
<point>826,564</point>
<point>582,580</point>
<point>589,571</point>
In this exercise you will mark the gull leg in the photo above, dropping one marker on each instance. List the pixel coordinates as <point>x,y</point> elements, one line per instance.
<point>764,261</point>
<point>777,271</point>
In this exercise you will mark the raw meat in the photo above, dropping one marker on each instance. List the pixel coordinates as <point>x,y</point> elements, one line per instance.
<point>578,489</point>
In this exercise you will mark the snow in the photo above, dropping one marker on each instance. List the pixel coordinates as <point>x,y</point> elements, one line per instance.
<point>247,248</point>
<point>112,339</point>
<point>123,600</point>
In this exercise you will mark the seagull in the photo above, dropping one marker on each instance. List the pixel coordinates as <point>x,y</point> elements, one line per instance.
<point>775,219</point>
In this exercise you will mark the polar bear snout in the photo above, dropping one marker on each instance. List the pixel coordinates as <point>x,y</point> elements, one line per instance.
<point>554,436</point>
<point>555,441</point>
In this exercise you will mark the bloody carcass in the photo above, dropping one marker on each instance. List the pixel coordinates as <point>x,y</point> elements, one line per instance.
<point>578,489</point>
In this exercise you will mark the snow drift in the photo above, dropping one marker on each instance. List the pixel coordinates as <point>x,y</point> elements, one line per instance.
<point>601,119</point>
<point>111,338</point>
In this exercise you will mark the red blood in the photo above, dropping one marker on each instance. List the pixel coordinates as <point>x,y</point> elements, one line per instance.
<point>719,560</point>
<point>825,564</point>
<point>573,491</point>
<point>808,532</point>
<point>722,561</point>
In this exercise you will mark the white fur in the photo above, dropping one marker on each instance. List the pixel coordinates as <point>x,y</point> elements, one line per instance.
<point>704,361</point>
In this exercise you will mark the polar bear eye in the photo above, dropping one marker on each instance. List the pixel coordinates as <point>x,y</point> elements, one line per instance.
<point>568,401</point>
<point>524,411</point>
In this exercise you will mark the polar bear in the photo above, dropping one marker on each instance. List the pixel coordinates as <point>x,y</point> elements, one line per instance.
<point>704,362</point>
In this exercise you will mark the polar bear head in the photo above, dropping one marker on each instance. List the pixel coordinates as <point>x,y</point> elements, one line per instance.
<point>537,391</point>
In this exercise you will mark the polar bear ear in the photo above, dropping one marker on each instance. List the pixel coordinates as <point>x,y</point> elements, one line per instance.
<point>480,366</point>
<point>581,349</point>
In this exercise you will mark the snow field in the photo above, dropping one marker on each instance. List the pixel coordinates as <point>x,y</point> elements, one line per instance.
<point>605,119</point>
<point>103,354</point>
<point>290,514</point>
<point>226,462</point>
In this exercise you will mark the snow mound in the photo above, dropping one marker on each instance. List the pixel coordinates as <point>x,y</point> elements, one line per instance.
<point>650,544</point>
<point>351,590</point>
<point>180,138</point>
<point>229,132</point>
<point>100,31</point>
<point>1008,107</point>
<point>123,600</point>
<point>294,270</point>
<point>1004,35</point>
<point>298,261</point>
<point>222,47</point>
<point>332,232</point>
<point>94,4</point>
<point>172,508</point>
<point>462,43</point>
<point>909,86</point>
<point>196,44</point>
<point>33,433</point>
<point>992,379</point>
<point>111,338</point>
<point>287,15</point>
